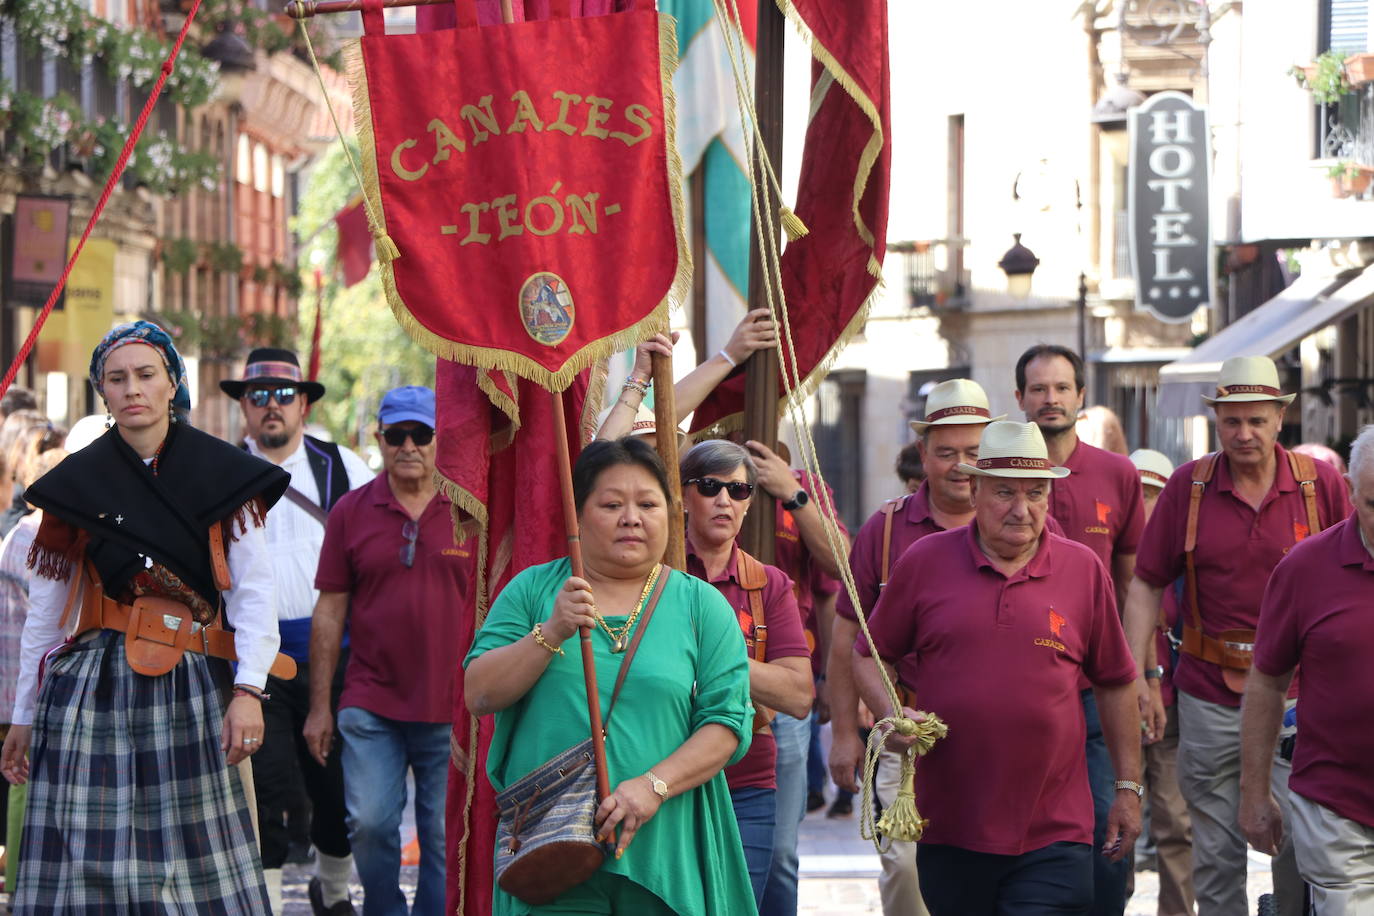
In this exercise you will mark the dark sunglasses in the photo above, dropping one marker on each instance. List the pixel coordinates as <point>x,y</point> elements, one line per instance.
<point>411,532</point>
<point>395,436</point>
<point>259,397</point>
<point>708,486</point>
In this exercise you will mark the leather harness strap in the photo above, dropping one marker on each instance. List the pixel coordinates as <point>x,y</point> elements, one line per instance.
<point>888,510</point>
<point>1231,649</point>
<point>752,577</point>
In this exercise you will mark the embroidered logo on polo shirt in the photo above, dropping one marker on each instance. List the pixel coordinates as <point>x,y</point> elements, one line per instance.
<point>1057,624</point>
<point>1300,531</point>
<point>1103,511</point>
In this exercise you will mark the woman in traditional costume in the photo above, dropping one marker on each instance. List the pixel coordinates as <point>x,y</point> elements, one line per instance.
<point>151,542</point>
<point>682,716</point>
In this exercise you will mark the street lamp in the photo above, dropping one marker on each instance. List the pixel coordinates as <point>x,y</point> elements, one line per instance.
<point>1018,264</point>
<point>236,60</point>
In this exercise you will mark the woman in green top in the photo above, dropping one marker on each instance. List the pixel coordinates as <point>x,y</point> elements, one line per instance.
<point>682,715</point>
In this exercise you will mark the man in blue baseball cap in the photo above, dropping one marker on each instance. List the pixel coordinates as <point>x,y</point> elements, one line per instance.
<point>391,569</point>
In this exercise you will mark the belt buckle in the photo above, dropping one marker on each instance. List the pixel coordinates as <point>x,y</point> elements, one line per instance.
<point>173,623</point>
<point>1239,646</point>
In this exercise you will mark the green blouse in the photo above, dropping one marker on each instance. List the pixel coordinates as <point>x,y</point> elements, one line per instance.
<point>691,669</point>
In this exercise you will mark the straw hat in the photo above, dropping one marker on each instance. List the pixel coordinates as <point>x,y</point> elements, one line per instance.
<point>1248,378</point>
<point>1155,467</point>
<point>958,401</point>
<point>1010,449</point>
<point>644,421</point>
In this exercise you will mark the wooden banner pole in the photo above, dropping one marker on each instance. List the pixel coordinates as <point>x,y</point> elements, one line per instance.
<point>665,424</point>
<point>761,371</point>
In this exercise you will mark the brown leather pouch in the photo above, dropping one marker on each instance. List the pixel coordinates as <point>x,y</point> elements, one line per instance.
<point>159,631</point>
<point>1237,654</point>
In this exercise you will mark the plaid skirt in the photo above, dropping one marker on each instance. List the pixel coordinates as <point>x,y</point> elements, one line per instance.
<point>132,809</point>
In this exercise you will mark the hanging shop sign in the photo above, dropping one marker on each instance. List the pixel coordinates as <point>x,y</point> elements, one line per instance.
<point>40,248</point>
<point>527,177</point>
<point>1171,237</point>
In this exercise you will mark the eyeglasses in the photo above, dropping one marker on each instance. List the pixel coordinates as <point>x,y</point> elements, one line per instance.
<point>709,486</point>
<point>259,397</point>
<point>395,436</point>
<point>411,532</point>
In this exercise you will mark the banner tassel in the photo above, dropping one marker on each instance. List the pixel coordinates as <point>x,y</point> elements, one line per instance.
<point>386,248</point>
<point>900,821</point>
<point>792,224</point>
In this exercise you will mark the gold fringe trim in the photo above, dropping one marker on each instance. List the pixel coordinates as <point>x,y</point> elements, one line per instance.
<point>507,360</point>
<point>506,403</point>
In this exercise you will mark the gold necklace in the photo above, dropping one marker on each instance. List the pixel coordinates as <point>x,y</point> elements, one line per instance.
<point>620,639</point>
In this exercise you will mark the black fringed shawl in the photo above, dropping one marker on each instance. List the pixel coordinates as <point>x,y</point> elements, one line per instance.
<point>127,513</point>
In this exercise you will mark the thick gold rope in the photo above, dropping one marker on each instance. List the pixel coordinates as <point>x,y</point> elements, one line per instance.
<point>901,821</point>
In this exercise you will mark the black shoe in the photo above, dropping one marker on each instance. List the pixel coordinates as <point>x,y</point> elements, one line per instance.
<point>316,891</point>
<point>843,806</point>
<point>814,801</point>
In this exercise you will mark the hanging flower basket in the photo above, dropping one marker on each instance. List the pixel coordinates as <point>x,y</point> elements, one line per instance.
<point>1359,68</point>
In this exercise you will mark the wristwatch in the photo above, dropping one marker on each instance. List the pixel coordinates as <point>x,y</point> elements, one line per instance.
<point>799,499</point>
<point>1135,787</point>
<point>660,787</point>
<point>1155,673</point>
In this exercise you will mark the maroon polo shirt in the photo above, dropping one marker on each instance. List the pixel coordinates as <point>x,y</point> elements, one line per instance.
<point>998,659</point>
<point>791,555</point>
<point>1100,504</point>
<point>403,623</point>
<point>1318,612</point>
<point>910,522</point>
<point>1237,548</point>
<point>758,767</point>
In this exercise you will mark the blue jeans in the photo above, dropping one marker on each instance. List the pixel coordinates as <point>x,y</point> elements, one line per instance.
<point>1109,878</point>
<point>377,752</point>
<point>1053,881</point>
<point>793,736</point>
<point>756,811</point>
<point>816,775</point>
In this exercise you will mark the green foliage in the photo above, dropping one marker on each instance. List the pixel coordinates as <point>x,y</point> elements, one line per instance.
<point>1342,170</point>
<point>1325,78</point>
<point>225,256</point>
<point>365,352</point>
<point>289,279</point>
<point>179,255</point>
<point>161,164</point>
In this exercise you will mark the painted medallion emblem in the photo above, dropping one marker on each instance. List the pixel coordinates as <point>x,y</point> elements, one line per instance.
<point>546,308</point>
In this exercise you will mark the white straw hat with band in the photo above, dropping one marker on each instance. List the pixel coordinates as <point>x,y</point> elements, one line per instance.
<point>1155,467</point>
<point>956,402</point>
<point>1248,378</point>
<point>1016,450</point>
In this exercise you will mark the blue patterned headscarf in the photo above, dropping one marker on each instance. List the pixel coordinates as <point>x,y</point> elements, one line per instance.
<point>142,332</point>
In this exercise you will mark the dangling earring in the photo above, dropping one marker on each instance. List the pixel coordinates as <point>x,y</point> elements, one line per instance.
<point>172,411</point>
<point>109,420</point>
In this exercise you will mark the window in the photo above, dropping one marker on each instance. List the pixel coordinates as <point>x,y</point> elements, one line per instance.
<point>243,168</point>
<point>1344,25</point>
<point>839,441</point>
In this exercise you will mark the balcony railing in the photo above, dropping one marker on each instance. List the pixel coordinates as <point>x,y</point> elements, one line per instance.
<point>1346,130</point>
<point>934,272</point>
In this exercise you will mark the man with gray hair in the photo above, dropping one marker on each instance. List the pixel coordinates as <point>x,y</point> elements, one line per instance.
<point>1316,613</point>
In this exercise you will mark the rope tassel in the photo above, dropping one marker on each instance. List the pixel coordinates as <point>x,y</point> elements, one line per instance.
<point>792,224</point>
<point>900,821</point>
<point>386,248</point>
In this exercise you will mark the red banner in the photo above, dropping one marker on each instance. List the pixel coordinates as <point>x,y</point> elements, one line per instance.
<point>354,251</point>
<point>528,176</point>
<point>830,275</point>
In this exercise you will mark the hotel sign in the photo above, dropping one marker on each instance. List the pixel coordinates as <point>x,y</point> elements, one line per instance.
<point>1171,237</point>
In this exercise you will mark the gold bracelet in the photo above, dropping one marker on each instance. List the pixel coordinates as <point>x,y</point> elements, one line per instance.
<point>538,634</point>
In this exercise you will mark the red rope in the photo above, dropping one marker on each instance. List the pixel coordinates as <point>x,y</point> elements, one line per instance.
<point>110,184</point>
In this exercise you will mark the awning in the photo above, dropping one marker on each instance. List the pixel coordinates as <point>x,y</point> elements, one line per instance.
<point>1277,326</point>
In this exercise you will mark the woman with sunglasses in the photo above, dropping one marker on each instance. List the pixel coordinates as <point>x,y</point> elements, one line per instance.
<point>123,737</point>
<point>718,479</point>
<point>682,715</point>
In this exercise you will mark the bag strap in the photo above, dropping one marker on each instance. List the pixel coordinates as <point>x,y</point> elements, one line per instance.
<point>888,510</point>
<point>663,574</point>
<point>312,510</point>
<point>1305,473</point>
<point>1203,469</point>
<point>753,578</point>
